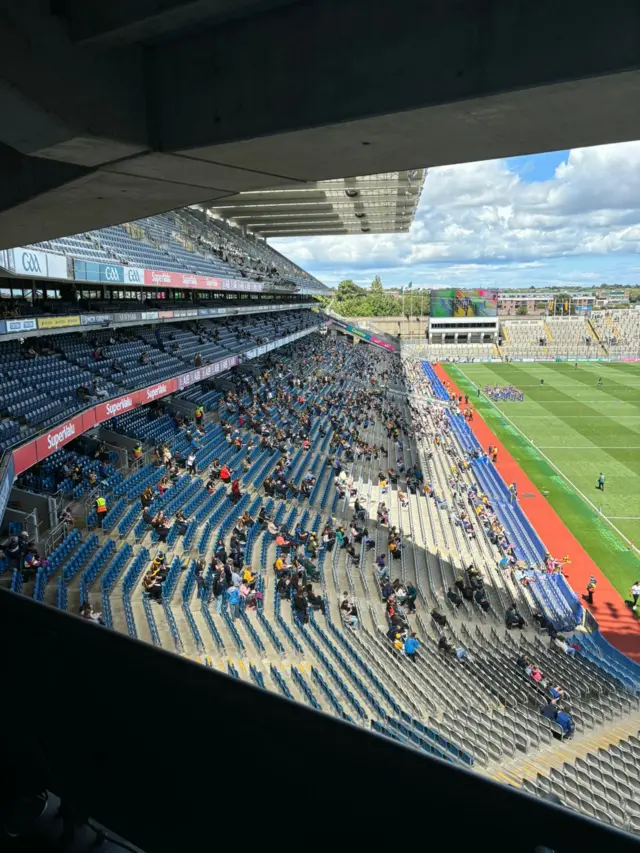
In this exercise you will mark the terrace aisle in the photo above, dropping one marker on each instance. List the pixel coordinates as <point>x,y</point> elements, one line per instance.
<point>617,623</point>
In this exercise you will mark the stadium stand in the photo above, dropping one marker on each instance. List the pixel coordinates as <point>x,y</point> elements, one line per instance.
<point>524,339</point>
<point>618,330</point>
<point>456,352</point>
<point>613,334</point>
<point>184,241</point>
<point>601,334</point>
<point>47,379</point>
<point>572,335</point>
<point>331,531</point>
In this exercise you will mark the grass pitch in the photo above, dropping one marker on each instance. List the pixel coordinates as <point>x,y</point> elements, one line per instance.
<point>563,435</point>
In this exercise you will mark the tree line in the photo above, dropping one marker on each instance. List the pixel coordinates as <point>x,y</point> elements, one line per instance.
<point>350,300</point>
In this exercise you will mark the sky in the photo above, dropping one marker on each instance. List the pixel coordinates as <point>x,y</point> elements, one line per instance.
<point>566,218</point>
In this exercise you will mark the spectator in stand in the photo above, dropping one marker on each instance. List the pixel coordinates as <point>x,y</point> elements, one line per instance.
<point>439,618</point>
<point>480,597</point>
<point>453,597</point>
<point>560,643</point>
<point>87,612</point>
<point>445,646</point>
<point>162,529</point>
<point>410,597</point>
<point>233,600</point>
<point>309,569</point>
<point>282,542</point>
<point>225,474</point>
<point>328,540</point>
<point>219,590</point>
<point>535,674</point>
<point>300,607</point>
<point>101,509</point>
<point>152,585</point>
<point>281,567</point>
<point>30,565</point>
<point>411,645</point>
<point>513,619</point>
<point>556,692</point>
<point>236,494</point>
<point>349,611</point>
<point>545,624</point>
<point>566,723</point>
<point>383,571</point>
<point>315,601</point>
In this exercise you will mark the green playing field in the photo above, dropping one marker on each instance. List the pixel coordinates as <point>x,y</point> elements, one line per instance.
<point>563,435</point>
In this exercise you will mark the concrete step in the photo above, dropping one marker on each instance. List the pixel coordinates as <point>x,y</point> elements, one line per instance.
<point>557,753</point>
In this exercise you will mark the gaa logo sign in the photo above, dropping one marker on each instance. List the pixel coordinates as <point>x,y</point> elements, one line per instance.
<point>31,263</point>
<point>111,274</point>
<point>133,276</point>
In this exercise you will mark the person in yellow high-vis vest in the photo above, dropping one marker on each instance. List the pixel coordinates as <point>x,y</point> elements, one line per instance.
<point>101,509</point>
<point>199,415</point>
<point>137,451</point>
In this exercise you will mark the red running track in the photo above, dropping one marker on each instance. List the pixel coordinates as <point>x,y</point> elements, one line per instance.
<point>617,622</point>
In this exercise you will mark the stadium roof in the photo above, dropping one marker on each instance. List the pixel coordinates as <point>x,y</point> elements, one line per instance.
<point>375,204</point>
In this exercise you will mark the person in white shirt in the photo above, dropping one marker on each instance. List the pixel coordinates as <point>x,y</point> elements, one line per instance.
<point>561,644</point>
<point>635,592</point>
<point>191,463</point>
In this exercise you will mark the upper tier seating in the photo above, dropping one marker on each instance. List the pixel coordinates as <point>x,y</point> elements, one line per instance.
<point>183,241</point>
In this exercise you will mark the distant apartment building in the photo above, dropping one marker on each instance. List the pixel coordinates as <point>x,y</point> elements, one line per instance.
<point>544,302</point>
<point>611,298</point>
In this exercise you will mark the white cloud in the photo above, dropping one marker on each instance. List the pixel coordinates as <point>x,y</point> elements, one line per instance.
<point>497,225</point>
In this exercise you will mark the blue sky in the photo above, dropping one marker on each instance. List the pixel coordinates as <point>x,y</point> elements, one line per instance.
<point>569,218</point>
<point>541,167</point>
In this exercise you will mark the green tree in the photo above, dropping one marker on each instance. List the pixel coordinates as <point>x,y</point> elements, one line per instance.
<point>376,286</point>
<point>347,289</point>
<point>522,311</point>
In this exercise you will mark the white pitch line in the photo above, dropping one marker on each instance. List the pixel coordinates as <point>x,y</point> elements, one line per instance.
<point>624,517</point>
<point>583,447</point>
<point>562,474</point>
<point>564,417</point>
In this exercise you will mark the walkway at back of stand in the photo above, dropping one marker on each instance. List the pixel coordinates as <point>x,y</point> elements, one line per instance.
<point>617,623</point>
